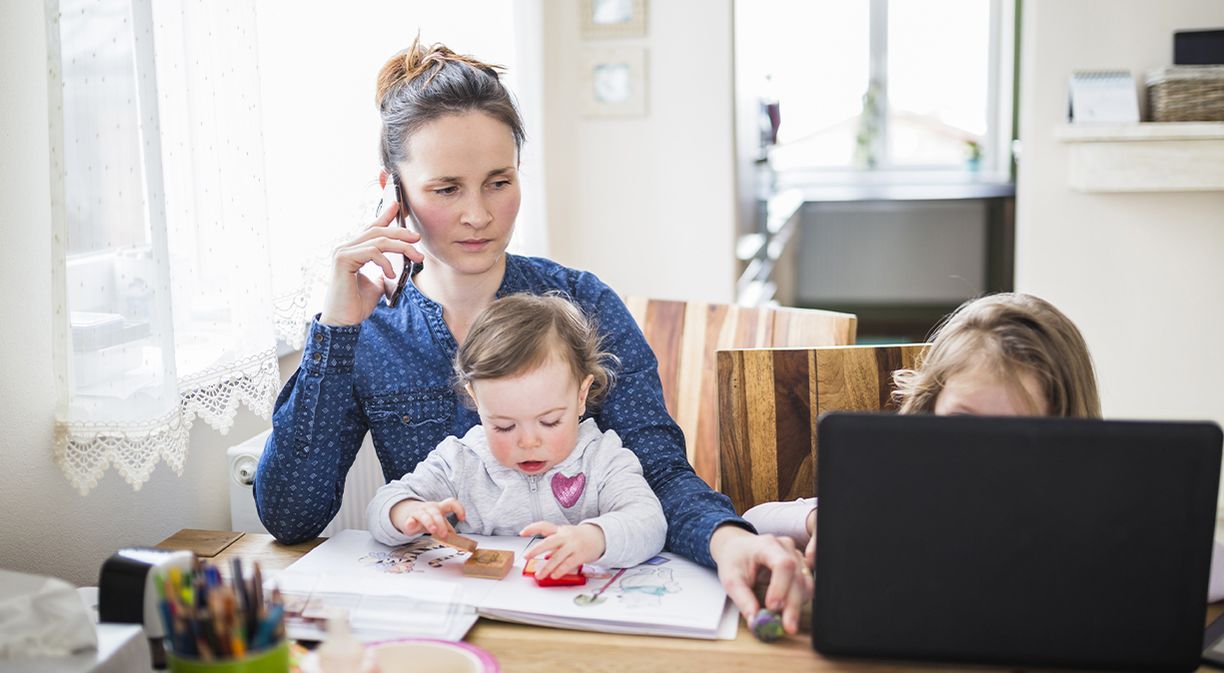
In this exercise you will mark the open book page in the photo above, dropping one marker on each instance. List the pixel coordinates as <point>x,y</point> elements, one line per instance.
<point>665,596</point>
<point>668,595</point>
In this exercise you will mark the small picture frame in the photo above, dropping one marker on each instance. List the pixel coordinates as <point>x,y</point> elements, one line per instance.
<point>602,19</point>
<point>614,82</point>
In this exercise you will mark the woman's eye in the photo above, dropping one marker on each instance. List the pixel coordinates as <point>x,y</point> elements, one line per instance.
<point>446,191</point>
<point>503,428</point>
<point>500,184</point>
<point>551,424</point>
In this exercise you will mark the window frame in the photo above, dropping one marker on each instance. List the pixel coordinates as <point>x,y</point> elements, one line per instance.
<point>996,161</point>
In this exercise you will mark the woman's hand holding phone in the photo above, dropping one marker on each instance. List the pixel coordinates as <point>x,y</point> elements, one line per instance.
<point>351,295</point>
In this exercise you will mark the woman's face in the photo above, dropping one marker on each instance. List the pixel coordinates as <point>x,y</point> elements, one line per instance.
<point>461,184</point>
<point>980,391</point>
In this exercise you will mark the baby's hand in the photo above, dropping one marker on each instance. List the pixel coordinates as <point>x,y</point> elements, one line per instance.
<point>566,547</point>
<point>413,517</point>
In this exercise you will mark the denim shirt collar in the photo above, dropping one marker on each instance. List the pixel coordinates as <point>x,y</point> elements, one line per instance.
<point>513,281</point>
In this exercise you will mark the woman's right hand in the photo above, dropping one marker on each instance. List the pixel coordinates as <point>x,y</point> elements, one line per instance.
<point>351,295</point>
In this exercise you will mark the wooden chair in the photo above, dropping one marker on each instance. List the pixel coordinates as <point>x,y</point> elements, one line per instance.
<point>768,404</point>
<point>685,337</point>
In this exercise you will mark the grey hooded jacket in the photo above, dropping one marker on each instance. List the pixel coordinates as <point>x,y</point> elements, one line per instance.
<point>600,482</point>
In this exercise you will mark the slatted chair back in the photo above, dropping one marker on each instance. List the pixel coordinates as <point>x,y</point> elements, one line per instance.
<point>685,337</point>
<point>769,401</point>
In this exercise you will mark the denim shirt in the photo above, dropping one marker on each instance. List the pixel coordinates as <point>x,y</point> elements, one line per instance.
<point>391,375</point>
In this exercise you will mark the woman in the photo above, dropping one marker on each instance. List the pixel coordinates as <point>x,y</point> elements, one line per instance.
<point>450,140</point>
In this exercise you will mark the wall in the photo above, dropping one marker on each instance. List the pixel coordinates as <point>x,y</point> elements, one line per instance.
<point>1141,274</point>
<point>646,203</point>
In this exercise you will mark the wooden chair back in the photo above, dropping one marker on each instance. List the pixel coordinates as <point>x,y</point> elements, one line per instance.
<point>769,401</point>
<point>685,337</point>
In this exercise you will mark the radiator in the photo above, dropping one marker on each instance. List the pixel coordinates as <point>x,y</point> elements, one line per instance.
<point>364,477</point>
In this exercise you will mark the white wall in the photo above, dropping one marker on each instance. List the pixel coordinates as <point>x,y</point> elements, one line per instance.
<point>646,203</point>
<point>1141,274</point>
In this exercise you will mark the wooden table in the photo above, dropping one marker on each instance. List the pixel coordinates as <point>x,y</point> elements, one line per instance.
<point>531,648</point>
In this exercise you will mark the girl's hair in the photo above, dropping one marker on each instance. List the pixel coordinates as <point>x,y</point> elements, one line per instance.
<point>421,84</point>
<point>518,333</point>
<point>1012,334</point>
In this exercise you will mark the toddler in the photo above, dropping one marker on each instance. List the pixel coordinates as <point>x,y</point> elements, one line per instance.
<point>531,365</point>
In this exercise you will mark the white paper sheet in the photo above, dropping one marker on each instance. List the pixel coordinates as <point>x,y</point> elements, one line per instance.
<point>667,596</point>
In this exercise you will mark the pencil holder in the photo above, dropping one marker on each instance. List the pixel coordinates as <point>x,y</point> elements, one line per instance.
<point>270,660</point>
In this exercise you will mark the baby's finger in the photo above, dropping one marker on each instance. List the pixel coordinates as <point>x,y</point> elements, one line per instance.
<point>545,546</point>
<point>554,563</point>
<point>453,506</point>
<point>543,528</point>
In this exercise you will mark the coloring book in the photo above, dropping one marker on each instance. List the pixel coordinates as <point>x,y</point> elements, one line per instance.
<point>419,589</point>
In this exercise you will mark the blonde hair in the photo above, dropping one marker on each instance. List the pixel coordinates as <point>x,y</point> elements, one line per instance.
<point>518,333</point>
<point>421,84</point>
<point>1012,334</point>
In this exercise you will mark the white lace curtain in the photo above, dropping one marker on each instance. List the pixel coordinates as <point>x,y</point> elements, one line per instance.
<point>173,280</point>
<point>162,286</point>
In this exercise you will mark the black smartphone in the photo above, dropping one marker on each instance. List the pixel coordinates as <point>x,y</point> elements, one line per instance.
<point>394,287</point>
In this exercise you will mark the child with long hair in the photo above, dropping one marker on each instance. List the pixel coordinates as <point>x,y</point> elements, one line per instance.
<point>1006,354</point>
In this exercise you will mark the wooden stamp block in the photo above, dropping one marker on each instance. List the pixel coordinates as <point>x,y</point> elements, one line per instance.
<point>457,541</point>
<point>491,563</point>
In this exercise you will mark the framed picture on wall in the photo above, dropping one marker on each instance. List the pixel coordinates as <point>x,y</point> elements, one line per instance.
<point>613,18</point>
<point>614,82</point>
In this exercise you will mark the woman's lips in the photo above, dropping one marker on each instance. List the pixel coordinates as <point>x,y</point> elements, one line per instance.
<point>531,465</point>
<point>474,245</point>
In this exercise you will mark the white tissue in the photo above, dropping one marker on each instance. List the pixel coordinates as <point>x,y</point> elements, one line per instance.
<point>42,617</point>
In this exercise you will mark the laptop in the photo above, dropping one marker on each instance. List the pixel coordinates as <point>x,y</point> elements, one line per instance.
<point>1014,541</point>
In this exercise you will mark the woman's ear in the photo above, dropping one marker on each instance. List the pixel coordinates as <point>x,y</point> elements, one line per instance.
<point>583,390</point>
<point>382,178</point>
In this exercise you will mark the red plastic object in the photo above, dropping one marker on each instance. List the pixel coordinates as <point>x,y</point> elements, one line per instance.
<point>567,580</point>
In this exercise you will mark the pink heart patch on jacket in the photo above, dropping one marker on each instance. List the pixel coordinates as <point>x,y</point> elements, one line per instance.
<point>568,489</point>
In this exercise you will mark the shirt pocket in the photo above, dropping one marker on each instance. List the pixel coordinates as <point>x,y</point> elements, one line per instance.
<point>408,425</point>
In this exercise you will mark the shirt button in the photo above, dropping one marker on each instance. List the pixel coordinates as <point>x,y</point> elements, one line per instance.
<point>405,419</point>
<point>316,357</point>
<point>318,337</point>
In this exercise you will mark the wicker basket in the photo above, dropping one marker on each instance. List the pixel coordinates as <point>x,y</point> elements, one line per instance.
<point>1186,93</point>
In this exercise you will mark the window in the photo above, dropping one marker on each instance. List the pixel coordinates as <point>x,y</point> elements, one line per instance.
<point>880,85</point>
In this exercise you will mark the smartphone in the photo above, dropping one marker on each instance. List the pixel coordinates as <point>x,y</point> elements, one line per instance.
<point>392,287</point>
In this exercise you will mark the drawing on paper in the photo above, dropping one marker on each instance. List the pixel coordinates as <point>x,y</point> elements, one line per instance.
<point>406,559</point>
<point>645,587</point>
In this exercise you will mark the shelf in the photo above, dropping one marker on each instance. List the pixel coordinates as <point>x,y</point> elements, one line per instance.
<point>1145,157</point>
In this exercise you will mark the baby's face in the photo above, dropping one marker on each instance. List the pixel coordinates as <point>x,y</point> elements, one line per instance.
<point>531,419</point>
<point>979,391</point>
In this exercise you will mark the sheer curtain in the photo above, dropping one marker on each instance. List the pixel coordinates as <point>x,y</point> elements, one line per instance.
<point>160,243</point>
<point>202,173</point>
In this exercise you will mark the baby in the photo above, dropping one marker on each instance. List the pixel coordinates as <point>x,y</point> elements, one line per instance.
<point>531,364</point>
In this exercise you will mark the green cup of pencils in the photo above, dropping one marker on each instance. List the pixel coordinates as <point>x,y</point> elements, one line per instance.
<point>218,625</point>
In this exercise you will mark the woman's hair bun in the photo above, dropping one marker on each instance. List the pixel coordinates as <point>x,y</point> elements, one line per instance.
<point>416,61</point>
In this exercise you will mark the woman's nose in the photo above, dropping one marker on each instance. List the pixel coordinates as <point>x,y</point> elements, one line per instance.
<point>476,213</point>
